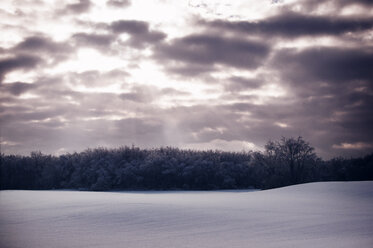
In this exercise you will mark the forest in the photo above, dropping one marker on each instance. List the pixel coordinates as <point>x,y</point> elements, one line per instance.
<point>284,162</point>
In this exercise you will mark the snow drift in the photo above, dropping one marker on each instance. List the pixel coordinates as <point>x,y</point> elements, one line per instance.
<point>328,214</point>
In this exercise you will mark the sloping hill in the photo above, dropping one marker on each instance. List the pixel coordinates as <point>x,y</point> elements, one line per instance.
<point>328,214</point>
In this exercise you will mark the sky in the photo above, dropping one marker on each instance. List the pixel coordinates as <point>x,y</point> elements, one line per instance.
<point>195,74</point>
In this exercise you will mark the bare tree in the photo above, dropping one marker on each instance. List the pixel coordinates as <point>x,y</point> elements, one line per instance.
<point>294,153</point>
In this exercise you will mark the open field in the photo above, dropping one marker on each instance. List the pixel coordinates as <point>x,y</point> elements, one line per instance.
<point>328,214</point>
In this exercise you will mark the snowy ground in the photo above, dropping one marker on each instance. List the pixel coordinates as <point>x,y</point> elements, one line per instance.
<point>334,214</point>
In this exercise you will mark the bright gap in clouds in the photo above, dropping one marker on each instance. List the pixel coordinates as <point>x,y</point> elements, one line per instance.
<point>87,59</point>
<point>16,76</point>
<point>224,145</point>
<point>112,88</point>
<point>235,10</point>
<point>267,93</point>
<point>28,96</point>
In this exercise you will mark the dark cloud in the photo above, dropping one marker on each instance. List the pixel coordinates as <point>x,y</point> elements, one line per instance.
<point>136,96</point>
<point>322,121</point>
<point>203,51</point>
<point>30,114</point>
<point>52,135</point>
<point>20,62</point>
<point>92,39</point>
<point>48,137</point>
<point>337,5</point>
<point>130,26</point>
<point>139,31</point>
<point>235,84</point>
<point>332,88</point>
<point>140,40</point>
<point>119,3</point>
<point>44,47</point>
<point>349,2</point>
<point>40,44</point>
<point>16,88</point>
<point>292,24</point>
<point>189,70</point>
<point>340,119</point>
<point>77,8</point>
<point>142,126</point>
<point>329,64</point>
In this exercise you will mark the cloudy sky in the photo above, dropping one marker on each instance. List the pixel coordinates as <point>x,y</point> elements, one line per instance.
<point>198,74</point>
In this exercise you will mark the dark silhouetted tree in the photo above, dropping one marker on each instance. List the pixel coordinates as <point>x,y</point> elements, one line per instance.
<point>292,154</point>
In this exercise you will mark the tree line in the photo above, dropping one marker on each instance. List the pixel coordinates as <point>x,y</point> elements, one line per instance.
<point>285,162</point>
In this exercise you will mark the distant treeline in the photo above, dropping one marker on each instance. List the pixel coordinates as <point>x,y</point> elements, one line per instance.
<point>285,162</point>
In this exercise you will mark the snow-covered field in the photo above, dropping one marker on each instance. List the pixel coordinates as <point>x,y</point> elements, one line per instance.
<point>333,214</point>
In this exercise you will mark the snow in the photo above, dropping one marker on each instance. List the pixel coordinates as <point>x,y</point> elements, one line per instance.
<point>328,214</point>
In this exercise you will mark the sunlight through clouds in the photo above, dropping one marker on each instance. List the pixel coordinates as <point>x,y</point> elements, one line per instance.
<point>208,73</point>
<point>89,59</point>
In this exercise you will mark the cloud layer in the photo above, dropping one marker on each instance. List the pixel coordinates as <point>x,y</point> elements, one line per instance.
<point>94,73</point>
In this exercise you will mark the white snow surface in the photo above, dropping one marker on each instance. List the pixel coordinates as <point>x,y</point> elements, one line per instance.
<point>327,214</point>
